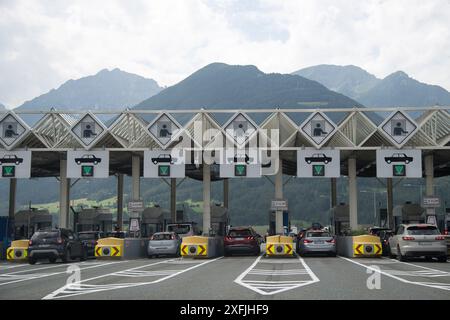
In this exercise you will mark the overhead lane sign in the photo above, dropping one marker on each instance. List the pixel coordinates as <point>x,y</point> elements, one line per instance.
<point>318,163</point>
<point>399,163</point>
<point>240,128</point>
<point>398,128</point>
<point>15,164</point>
<point>164,129</point>
<point>235,163</point>
<point>88,130</point>
<point>12,130</point>
<point>318,128</point>
<point>87,164</point>
<point>164,163</point>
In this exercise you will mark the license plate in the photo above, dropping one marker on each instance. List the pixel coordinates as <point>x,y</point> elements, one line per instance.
<point>424,243</point>
<point>239,239</point>
<point>319,241</point>
<point>44,246</point>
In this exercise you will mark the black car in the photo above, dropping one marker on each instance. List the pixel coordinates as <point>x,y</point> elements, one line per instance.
<point>398,157</point>
<point>89,240</point>
<point>242,240</point>
<point>240,158</point>
<point>164,158</point>
<point>88,158</point>
<point>384,234</point>
<point>11,158</point>
<point>54,244</point>
<point>318,157</point>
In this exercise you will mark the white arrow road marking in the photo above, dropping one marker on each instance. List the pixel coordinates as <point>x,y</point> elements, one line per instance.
<point>266,285</point>
<point>14,277</point>
<point>79,288</point>
<point>395,274</point>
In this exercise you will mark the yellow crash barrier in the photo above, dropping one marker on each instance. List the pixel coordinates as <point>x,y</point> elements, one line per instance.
<point>18,250</point>
<point>366,245</point>
<point>109,247</point>
<point>280,246</point>
<point>195,246</point>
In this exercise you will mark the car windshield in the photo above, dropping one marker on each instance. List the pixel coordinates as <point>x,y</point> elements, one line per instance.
<point>45,235</point>
<point>239,233</point>
<point>179,228</point>
<point>162,236</point>
<point>317,234</point>
<point>425,230</point>
<point>87,236</point>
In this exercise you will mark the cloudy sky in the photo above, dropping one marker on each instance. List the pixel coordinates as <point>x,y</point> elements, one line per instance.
<point>46,42</point>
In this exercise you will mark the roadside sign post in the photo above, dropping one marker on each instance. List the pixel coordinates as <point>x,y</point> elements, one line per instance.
<point>430,203</point>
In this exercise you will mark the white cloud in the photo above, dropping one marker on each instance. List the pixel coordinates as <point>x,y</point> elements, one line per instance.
<point>44,43</point>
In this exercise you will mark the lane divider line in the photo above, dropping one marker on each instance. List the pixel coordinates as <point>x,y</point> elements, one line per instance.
<point>271,286</point>
<point>34,276</point>
<point>442,286</point>
<point>79,288</point>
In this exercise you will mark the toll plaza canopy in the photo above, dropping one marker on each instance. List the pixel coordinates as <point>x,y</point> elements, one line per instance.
<point>356,132</point>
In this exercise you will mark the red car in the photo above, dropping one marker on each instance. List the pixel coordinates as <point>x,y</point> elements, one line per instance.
<point>242,240</point>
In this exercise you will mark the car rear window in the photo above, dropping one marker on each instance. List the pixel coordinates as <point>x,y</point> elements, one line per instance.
<point>425,230</point>
<point>317,234</point>
<point>87,236</point>
<point>239,233</point>
<point>45,235</point>
<point>162,236</point>
<point>180,228</point>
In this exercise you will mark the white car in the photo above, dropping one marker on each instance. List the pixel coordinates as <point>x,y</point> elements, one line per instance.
<point>418,240</point>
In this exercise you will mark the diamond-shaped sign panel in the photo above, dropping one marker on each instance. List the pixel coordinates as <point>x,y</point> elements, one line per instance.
<point>12,130</point>
<point>240,129</point>
<point>164,129</point>
<point>318,128</point>
<point>88,130</point>
<point>399,128</point>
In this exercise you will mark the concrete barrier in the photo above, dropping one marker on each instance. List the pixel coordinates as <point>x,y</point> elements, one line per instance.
<point>280,246</point>
<point>18,251</point>
<point>116,248</point>
<point>359,246</point>
<point>202,247</point>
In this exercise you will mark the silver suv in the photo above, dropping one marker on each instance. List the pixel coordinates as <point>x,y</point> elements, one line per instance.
<point>418,240</point>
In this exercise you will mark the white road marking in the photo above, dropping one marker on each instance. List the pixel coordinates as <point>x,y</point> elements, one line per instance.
<point>271,287</point>
<point>14,277</point>
<point>79,288</point>
<point>392,274</point>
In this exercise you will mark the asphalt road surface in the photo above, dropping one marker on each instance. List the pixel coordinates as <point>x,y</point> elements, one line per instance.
<point>228,278</point>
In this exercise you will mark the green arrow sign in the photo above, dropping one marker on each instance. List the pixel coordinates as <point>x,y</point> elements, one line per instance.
<point>164,171</point>
<point>240,170</point>
<point>87,171</point>
<point>399,170</point>
<point>8,171</point>
<point>318,170</point>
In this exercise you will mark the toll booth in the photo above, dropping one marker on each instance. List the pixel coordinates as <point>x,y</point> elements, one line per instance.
<point>272,223</point>
<point>219,220</point>
<point>408,213</point>
<point>154,219</point>
<point>340,219</point>
<point>94,219</point>
<point>27,222</point>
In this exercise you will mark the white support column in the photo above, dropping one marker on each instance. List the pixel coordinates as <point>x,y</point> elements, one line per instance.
<point>352,194</point>
<point>279,196</point>
<point>206,199</point>
<point>12,206</point>
<point>390,203</point>
<point>226,186</point>
<point>429,175</point>
<point>120,201</point>
<point>64,195</point>
<point>173,199</point>
<point>135,176</point>
<point>429,179</point>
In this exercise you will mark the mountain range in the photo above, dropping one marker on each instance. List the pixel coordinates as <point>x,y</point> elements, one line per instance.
<point>219,85</point>
<point>396,90</point>
<point>112,89</point>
